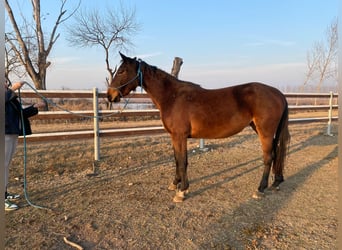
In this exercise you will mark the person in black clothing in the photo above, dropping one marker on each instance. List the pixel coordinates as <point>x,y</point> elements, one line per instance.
<point>14,128</point>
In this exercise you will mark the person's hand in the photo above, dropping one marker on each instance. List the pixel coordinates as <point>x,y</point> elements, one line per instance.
<point>17,85</point>
<point>39,105</point>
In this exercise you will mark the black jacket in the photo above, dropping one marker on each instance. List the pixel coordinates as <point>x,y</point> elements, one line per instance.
<point>12,113</point>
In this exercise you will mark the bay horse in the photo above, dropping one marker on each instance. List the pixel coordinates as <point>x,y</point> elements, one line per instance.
<point>190,111</point>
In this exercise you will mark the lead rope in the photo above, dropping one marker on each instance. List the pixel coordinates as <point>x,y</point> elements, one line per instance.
<point>25,160</point>
<point>70,112</point>
<point>139,75</point>
<point>27,198</point>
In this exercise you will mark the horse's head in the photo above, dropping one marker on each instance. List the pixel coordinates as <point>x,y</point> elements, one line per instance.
<point>127,78</point>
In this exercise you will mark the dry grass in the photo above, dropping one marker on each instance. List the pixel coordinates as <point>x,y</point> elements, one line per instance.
<point>126,205</point>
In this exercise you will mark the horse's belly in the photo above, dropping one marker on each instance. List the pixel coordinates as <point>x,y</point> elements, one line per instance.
<point>215,131</point>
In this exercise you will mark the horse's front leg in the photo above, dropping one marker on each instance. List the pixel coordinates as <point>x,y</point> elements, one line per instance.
<point>174,185</point>
<point>181,159</point>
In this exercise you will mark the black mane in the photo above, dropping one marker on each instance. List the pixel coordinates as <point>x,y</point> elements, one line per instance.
<point>155,70</point>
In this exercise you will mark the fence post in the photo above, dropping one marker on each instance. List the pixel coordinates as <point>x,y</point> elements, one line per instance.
<point>96,126</point>
<point>330,114</point>
<point>201,145</point>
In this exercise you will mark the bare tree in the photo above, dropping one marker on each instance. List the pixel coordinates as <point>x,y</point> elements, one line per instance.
<point>110,30</point>
<point>322,58</point>
<point>28,43</point>
<point>12,64</point>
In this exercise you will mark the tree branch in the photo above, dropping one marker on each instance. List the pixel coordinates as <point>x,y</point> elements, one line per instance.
<point>111,29</point>
<point>322,58</point>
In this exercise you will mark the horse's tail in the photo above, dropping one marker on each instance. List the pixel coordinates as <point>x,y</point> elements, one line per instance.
<point>280,143</point>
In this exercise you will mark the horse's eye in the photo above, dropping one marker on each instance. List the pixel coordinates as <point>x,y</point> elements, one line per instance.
<point>120,72</point>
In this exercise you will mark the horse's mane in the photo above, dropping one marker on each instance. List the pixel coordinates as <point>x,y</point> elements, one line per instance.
<point>161,73</point>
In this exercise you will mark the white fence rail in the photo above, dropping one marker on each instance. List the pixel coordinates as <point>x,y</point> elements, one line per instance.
<point>97,114</point>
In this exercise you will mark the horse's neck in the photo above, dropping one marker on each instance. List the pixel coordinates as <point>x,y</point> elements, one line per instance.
<point>158,86</point>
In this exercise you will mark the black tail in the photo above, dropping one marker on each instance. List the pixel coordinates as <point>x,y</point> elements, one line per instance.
<point>280,143</point>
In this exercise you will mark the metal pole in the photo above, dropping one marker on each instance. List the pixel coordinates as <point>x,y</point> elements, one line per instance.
<point>201,143</point>
<point>330,114</point>
<point>96,125</point>
<point>201,146</point>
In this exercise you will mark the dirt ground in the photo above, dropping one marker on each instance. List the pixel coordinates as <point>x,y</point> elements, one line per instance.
<point>122,202</point>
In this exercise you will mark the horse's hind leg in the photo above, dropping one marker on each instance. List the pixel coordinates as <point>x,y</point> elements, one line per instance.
<point>268,158</point>
<point>277,180</point>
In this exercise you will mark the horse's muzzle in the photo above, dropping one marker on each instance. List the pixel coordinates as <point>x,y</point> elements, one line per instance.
<point>113,95</point>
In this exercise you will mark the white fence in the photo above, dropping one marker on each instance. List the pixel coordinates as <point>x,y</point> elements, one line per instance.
<point>96,114</point>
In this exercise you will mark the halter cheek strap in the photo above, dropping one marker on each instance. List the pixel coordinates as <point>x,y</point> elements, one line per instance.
<point>140,75</point>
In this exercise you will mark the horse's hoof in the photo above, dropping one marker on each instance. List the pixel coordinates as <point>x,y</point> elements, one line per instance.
<point>172,187</point>
<point>258,195</point>
<point>178,199</point>
<point>275,188</point>
<point>180,196</point>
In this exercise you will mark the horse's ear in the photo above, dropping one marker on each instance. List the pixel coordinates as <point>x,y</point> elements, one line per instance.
<point>126,58</point>
<point>123,56</point>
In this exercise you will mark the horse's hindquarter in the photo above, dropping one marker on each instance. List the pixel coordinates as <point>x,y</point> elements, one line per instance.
<point>267,103</point>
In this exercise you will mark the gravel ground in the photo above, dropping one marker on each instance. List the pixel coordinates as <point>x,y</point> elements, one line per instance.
<point>123,202</point>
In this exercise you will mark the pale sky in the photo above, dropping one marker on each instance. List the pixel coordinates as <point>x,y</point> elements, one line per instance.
<point>222,42</point>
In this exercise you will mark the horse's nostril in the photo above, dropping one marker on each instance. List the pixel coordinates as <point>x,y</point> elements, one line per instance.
<point>116,99</point>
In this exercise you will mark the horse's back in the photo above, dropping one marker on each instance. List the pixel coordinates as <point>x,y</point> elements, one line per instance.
<point>250,97</point>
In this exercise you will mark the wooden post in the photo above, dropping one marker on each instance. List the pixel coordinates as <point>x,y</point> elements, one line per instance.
<point>177,63</point>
